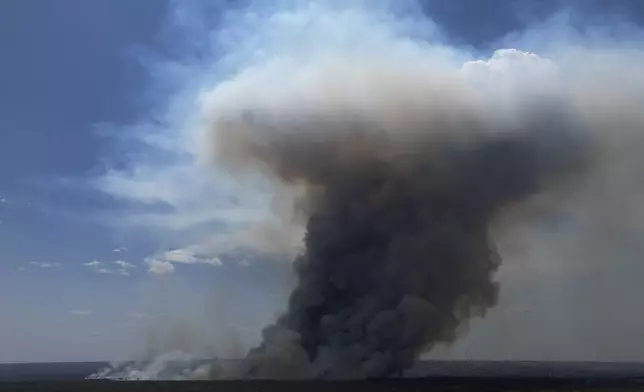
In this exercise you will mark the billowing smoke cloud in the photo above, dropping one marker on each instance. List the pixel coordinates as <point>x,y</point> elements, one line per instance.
<point>401,168</point>
<point>405,163</point>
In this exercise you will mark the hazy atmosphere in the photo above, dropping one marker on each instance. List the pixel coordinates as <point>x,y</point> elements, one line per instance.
<point>165,164</point>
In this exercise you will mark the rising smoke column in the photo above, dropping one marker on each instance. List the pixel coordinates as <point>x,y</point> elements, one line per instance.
<point>400,169</point>
<point>397,159</point>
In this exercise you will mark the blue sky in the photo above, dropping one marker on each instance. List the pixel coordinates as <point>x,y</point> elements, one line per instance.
<point>68,67</point>
<point>98,183</point>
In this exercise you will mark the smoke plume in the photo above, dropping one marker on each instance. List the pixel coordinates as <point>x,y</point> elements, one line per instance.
<point>400,168</point>
<point>405,163</point>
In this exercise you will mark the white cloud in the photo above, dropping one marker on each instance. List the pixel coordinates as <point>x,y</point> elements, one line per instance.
<point>187,256</point>
<point>93,264</point>
<point>46,265</point>
<point>510,76</point>
<point>508,63</point>
<point>81,312</point>
<point>124,264</point>
<point>163,260</point>
<point>180,256</point>
<point>119,250</point>
<point>4,200</point>
<point>159,266</point>
<point>123,269</point>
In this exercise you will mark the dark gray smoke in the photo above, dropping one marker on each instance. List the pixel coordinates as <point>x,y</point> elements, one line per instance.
<point>397,252</point>
<point>397,206</point>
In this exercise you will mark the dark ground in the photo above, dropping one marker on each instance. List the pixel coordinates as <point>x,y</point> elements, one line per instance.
<point>424,369</point>
<point>427,376</point>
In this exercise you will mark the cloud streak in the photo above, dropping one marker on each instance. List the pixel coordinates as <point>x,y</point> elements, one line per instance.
<point>188,256</point>
<point>162,262</point>
<point>45,265</point>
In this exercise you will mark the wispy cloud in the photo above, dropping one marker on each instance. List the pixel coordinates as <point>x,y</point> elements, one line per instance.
<point>122,268</point>
<point>97,267</point>
<point>188,256</point>
<point>119,250</point>
<point>45,265</point>
<point>81,312</point>
<point>162,262</point>
<point>93,264</point>
<point>159,266</point>
<point>124,264</point>
<point>168,186</point>
<point>3,200</point>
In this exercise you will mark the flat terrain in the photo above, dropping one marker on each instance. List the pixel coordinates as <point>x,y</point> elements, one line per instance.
<point>432,369</point>
<point>426,376</point>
